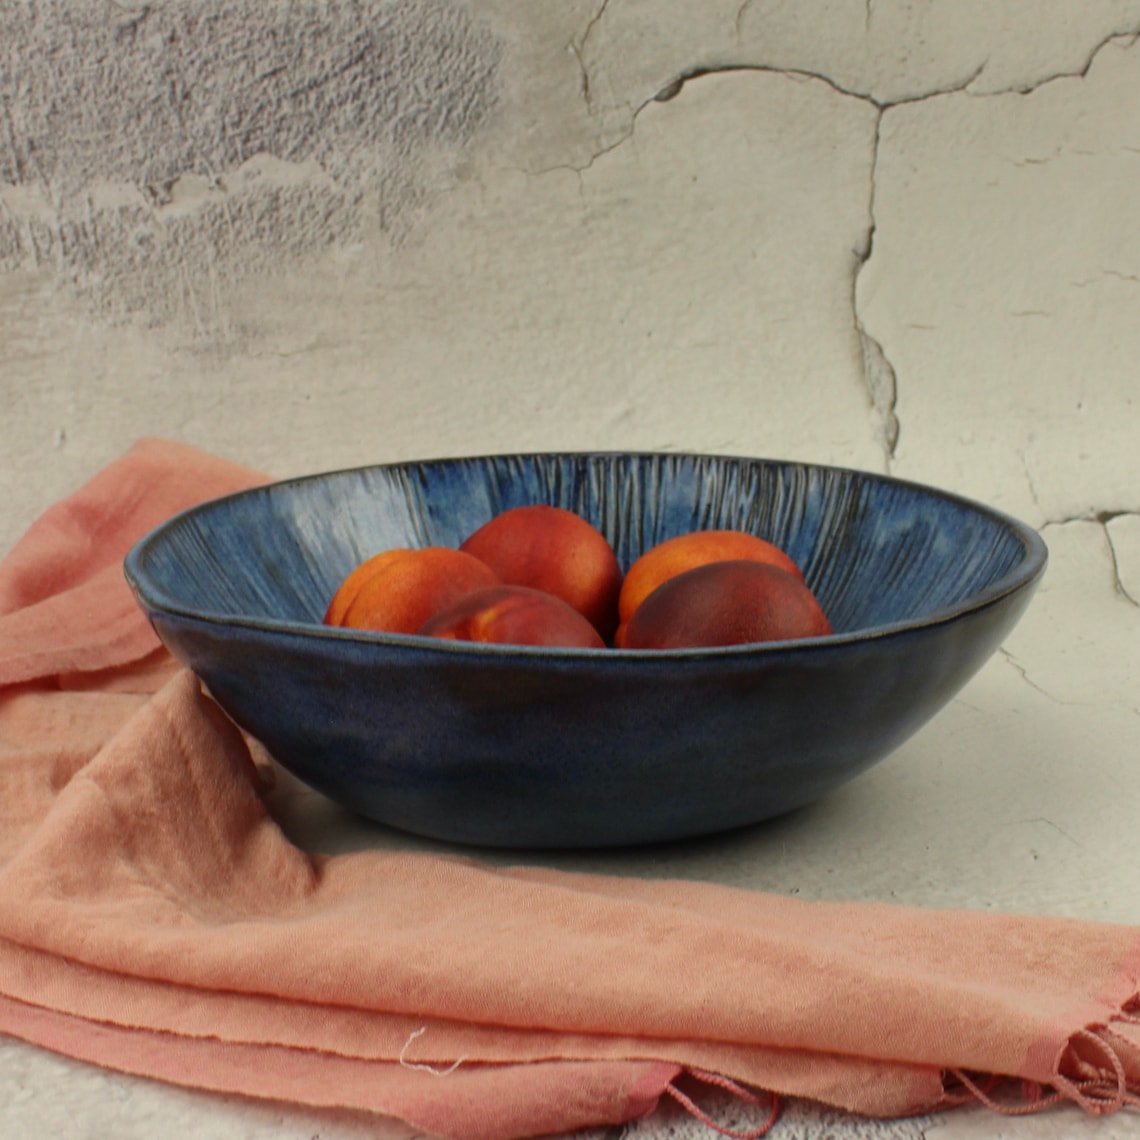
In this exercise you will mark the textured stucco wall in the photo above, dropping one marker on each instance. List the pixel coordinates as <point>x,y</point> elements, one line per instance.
<point>150,148</point>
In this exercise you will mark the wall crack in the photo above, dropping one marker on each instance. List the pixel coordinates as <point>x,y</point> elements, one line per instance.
<point>1023,673</point>
<point>1114,555</point>
<point>1126,36</point>
<point>879,375</point>
<point>578,47</point>
<point>670,90</point>
<point>1103,519</point>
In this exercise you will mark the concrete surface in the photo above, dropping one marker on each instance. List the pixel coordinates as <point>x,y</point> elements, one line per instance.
<point>899,235</point>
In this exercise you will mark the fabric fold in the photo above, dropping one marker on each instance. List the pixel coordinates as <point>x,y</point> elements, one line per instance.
<point>155,918</point>
<point>63,603</point>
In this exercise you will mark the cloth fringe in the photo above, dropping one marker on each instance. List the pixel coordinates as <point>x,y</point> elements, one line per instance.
<point>1097,1082</point>
<point>739,1091</point>
<point>1096,1078</point>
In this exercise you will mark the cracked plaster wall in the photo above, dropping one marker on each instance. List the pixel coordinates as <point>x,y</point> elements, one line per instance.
<point>882,234</point>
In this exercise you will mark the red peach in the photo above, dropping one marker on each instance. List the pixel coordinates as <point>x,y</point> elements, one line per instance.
<point>514,615</point>
<point>406,591</point>
<point>674,556</point>
<point>348,589</point>
<point>554,550</point>
<point>726,603</point>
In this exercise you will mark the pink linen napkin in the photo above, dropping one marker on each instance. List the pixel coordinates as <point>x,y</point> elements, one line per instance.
<point>155,919</point>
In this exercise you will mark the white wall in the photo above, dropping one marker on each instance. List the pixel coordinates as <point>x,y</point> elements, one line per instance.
<point>892,235</point>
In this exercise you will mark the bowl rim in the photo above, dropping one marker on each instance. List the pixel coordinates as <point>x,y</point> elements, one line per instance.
<point>154,600</point>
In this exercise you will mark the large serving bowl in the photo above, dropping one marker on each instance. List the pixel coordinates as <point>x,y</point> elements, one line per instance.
<point>514,746</point>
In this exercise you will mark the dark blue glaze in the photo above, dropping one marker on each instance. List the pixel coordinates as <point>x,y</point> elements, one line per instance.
<point>511,746</point>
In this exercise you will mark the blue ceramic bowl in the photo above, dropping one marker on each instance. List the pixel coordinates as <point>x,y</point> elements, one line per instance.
<point>514,746</point>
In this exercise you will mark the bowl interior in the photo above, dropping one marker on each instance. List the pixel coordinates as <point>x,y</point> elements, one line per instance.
<point>877,551</point>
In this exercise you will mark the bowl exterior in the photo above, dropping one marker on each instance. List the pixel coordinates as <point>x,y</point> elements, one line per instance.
<point>489,746</point>
<point>535,754</point>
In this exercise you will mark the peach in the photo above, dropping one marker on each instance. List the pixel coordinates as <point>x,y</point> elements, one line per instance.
<point>686,552</point>
<point>406,591</point>
<point>350,587</point>
<point>725,603</point>
<point>554,550</point>
<point>514,615</point>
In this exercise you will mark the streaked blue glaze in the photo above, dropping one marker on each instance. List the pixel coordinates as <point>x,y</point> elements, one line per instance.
<point>523,747</point>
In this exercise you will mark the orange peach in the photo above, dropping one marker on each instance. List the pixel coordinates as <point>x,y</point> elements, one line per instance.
<point>557,551</point>
<point>686,552</point>
<point>514,615</point>
<point>350,587</point>
<point>406,591</point>
<point>726,603</point>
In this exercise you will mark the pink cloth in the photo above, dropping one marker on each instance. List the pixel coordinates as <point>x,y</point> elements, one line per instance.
<point>155,919</point>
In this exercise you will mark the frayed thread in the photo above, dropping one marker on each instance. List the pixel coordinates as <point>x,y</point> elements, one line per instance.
<point>690,1106</point>
<point>419,1066</point>
<point>1098,1084</point>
